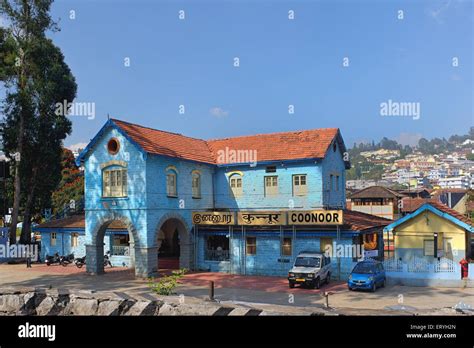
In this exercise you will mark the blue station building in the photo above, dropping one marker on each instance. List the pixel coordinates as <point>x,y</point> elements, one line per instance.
<point>243,205</point>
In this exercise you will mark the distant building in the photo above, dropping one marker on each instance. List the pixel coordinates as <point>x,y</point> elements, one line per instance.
<point>416,193</point>
<point>379,201</point>
<point>457,182</point>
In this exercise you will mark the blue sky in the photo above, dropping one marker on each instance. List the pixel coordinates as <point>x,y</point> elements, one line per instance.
<point>299,62</point>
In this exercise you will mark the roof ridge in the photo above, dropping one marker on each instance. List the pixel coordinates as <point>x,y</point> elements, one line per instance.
<point>273,133</point>
<point>226,138</point>
<point>157,130</point>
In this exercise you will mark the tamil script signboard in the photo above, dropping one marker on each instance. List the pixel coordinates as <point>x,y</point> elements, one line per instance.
<point>270,218</point>
<point>261,218</point>
<point>213,218</point>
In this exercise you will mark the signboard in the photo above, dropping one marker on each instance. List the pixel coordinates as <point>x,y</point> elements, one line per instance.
<point>258,218</point>
<point>270,218</point>
<point>213,218</point>
<point>315,217</point>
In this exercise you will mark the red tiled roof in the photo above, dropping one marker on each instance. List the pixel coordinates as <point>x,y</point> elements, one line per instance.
<point>166,143</point>
<point>376,192</point>
<point>77,221</point>
<point>452,212</point>
<point>280,146</point>
<point>411,204</point>
<point>305,144</point>
<point>357,221</point>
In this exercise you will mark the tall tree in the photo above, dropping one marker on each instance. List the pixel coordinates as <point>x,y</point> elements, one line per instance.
<point>31,127</point>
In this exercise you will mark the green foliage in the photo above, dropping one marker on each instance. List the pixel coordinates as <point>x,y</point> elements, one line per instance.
<point>167,284</point>
<point>71,186</point>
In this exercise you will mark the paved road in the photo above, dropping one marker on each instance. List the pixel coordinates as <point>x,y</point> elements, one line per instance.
<point>249,289</point>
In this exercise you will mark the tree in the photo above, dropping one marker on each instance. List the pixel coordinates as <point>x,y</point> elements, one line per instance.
<point>71,186</point>
<point>31,127</point>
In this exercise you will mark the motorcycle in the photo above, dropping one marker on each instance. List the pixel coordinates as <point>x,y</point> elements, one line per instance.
<point>66,260</point>
<point>80,261</point>
<point>107,260</point>
<point>50,260</point>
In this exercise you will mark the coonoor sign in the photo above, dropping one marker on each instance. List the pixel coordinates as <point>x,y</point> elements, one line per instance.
<point>315,217</point>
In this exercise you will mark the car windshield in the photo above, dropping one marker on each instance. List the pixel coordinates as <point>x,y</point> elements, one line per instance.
<point>307,262</point>
<point>364,268</point>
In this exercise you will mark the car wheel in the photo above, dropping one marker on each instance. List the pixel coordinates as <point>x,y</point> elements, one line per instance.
<point>374,287</point>
<point>350,289</point>
<point>291,285</point>
<point>328,278</point>
<point>317,283</point>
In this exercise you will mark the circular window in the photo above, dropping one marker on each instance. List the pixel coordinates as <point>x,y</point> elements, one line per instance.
<point>113,146</point>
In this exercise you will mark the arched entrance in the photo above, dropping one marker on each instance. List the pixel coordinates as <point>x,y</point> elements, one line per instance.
<point>174,243</point>
<point>109,237</point>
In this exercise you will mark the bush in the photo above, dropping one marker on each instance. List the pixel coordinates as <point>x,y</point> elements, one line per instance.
<point>167,284</point>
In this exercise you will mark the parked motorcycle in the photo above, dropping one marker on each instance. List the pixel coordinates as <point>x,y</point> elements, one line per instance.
<point>66,260</point>
<point>50,260</point>
<point>80,261</point>
<point>107,260</point>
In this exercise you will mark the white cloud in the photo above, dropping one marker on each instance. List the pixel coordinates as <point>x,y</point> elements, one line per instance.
<point>455,77</point>
<point>409,138</point>
<point>75,147</point>
<point>438,13</point>
<point>218,112</point>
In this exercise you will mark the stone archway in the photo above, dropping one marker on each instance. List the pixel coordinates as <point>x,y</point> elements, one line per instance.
<point>169,225</point>
<point>95,250</point>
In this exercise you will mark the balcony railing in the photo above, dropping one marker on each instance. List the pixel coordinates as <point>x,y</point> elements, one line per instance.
<point>217,255</point>
<point>121,250</point>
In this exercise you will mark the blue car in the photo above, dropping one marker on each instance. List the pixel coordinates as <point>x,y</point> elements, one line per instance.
<point>368,275</point>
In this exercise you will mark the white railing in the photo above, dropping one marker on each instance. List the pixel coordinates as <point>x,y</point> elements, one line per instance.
<point>120,250</point>
<point>417,265</point>
<point>393,265</point>
<point>217,255</point>
<point>445,265</point>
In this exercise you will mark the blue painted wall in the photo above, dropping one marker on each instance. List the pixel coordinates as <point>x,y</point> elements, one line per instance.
<point>268,259</point>
<point>147,205</point>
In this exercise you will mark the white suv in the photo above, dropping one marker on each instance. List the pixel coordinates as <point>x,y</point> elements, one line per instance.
<point>310,269</point>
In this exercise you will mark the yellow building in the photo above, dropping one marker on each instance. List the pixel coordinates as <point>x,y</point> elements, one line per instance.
<point>432,231</point>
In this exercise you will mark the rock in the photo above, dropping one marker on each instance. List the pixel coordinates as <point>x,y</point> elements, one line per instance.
<point>11,303</point>
<point>109,308</point>
<point>82,306</point>
<point>143,308</point>
<point>45,306</point>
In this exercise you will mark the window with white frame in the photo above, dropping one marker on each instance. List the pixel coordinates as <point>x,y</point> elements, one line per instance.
<point>74,240</point>
<point>271,185</point>
<point>299,185</point>
<point>53,238</point>
<point>235,182</point>
<point>171,189</point>
<point>428,247</point>
<point>196,185</point>
<point>114,182</point>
